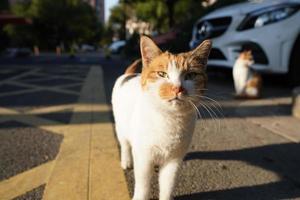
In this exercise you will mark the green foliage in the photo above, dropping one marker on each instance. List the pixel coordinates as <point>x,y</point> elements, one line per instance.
<point>155,12</point>
<point>55,22</point>
<point>4,5</point>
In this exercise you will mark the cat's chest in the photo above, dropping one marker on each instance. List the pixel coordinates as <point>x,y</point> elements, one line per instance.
<point>171,142</point>
<point>165,135</point>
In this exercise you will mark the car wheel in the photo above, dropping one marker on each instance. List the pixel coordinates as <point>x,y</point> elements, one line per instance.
<point>294,69</point>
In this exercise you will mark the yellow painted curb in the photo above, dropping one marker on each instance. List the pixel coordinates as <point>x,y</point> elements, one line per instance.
<point>88,166</point>
<point>24,182</point>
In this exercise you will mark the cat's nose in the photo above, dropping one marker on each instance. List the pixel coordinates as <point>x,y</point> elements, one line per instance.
<point>178,89</point>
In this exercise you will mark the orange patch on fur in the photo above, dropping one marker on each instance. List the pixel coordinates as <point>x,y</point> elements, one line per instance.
<point>166,91</point>
<point>255,81</point>
<point>149,73</point>
<point>170,91</point>
<point>246,55</point>
<point>131,69</point>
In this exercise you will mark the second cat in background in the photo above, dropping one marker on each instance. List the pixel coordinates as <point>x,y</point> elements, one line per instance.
<point>247,82</point>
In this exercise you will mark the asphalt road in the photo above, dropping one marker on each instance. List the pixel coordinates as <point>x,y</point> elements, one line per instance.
<point>235,152</point>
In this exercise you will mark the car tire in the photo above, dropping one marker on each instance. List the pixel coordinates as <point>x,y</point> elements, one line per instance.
<point>294,69</point>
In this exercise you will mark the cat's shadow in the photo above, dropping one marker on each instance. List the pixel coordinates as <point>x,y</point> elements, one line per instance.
<point>282,159</point>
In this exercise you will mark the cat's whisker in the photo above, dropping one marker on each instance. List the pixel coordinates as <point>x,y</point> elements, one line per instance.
<point>205,107</point>
<point>216,118</point>
<point>196,109</point>
<point>209,110</point>
<point>213,116</point>
<point>208,98</point>
<point>213,103</point>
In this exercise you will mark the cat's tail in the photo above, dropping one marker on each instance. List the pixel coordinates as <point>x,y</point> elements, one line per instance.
<point>131,69</point>
<point>253,87</point>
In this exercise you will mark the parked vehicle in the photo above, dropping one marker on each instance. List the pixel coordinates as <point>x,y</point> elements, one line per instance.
<point>87,48</point>
<point>18,52</point>
<point>270,28</point>
<point>117,46</point>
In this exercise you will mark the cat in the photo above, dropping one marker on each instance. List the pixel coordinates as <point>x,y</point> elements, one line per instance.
<point>155,113</point>
<point>247,82</point>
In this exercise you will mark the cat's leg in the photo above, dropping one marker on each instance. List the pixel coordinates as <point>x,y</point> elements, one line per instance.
<point>126,157</point>
<point>167,179</point>
<point>143,171</point>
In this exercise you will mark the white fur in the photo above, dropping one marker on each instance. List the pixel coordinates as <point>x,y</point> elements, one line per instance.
<point>152,131</point>
<point>174,73</point>
<point>241,74</point>
<point>252,91</point>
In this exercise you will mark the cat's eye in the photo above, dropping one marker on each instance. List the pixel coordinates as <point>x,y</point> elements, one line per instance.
<point>162,74</point>
<point>191,76</point>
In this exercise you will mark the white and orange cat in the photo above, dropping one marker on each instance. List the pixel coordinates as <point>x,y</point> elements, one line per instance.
<point>155,113</point>
<point>247,83</point>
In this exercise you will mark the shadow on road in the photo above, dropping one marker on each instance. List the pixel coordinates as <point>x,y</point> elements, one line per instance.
<point>250,192</point>
<point>283,159</point>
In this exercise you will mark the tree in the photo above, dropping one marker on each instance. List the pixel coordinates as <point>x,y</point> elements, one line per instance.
<point>4,41</point>
<point>56,22</point>
<point>117,20</point>
<point>170,5</point>
<point>153,11</point>
<point>4,5</point>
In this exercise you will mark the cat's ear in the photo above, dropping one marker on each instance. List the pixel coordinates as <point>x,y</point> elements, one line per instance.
<point>200,54</point>
<point>149,50</point>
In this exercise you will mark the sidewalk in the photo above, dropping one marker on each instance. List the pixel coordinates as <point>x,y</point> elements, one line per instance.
<point>79,153</point>
<point>57,141</point>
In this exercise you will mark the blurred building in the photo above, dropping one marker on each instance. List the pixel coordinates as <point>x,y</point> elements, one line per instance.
<point>98,5</point>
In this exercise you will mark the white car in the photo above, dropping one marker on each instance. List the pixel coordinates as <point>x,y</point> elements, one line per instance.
<point>87,48</point>
<point>117,46</point>
<point>270,28</point>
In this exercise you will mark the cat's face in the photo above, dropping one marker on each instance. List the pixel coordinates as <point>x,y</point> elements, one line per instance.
<point>174,80</point>
<point>247,57</point>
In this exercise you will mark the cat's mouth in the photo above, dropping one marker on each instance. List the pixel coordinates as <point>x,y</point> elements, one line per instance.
<point>176,99</point>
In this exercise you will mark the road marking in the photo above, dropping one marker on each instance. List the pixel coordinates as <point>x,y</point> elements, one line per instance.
<point>87,166</point>
<point>50,109</point>
<point>49,88</point>
<point>24,182</point>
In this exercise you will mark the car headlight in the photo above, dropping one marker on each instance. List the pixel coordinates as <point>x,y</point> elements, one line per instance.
<point>268,15</point>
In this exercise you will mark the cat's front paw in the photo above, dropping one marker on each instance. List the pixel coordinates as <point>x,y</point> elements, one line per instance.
<point>126,164</point>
